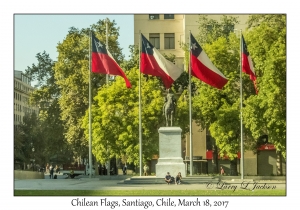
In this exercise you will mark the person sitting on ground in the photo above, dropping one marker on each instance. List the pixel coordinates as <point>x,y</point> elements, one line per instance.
<point>178,178</point>
<point>168,178</point>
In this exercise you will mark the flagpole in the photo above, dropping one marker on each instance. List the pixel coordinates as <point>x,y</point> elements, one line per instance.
<point>140,106</point>
<point>90,109</point>
<point>190,113</point>
<point>106,45</point>
<point>107,76</point>
<point>241,108</point>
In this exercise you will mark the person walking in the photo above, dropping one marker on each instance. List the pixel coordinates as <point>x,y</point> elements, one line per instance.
<point>47,169</point>
<point>51,172</point>
<point>146,169</point>
<point>125,169</point>
<point>222,172</point>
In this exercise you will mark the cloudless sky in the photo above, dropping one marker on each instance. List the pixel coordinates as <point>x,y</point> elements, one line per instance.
<point>34,33</point>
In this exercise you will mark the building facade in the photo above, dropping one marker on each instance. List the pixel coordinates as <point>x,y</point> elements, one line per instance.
<point>166,32</point>
<point>22,90</point>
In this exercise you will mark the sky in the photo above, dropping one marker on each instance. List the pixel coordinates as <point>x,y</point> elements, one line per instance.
<point>35,33</point>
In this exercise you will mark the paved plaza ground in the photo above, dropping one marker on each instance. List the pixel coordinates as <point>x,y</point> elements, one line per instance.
<point>98,184</point>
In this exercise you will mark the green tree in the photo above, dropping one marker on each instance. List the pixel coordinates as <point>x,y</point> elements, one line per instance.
<point>219,110</point>
<point>72,77</point>
<point>116,119</point>
<point>27,137</point>
<point>134,59</point>
<point>46,95</point>
<point>211,30</point>
<point>265,113</point>
<point>19,153</point>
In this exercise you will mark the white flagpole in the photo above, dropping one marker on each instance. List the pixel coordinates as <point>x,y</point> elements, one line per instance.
<point>107,76</point>
<point>241,108</point>
<point>140,106</point>
<point>90,110</point>
<point>190,113</point>
<point>107,46</point>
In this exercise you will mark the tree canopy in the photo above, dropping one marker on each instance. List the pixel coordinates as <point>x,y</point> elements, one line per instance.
<point>72,77</point>
<point>265,113</point>
<point>46,128</point>
<point>116,119</point>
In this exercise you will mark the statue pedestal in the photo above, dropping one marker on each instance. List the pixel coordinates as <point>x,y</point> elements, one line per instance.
<point>170,159</point>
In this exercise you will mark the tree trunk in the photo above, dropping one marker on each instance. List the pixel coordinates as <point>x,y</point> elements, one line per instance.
<point>96,168</point>
<point>279,163</point>
<point>233,167</point>
<point>215,160</point>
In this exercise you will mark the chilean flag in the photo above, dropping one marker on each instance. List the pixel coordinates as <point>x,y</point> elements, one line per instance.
<point>103,62</point>
<point>247,65</point>
<point>202,67</point>
<point>153,63</point>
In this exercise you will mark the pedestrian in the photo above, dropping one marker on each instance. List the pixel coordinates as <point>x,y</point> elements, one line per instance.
<point>57,169</point>
<point>125,169</point>
<point>178,178</point>
<point>146,169</point>
<point>222,172</point>
<point>51,172</point>
<point>47,169</point>
<point>168,178</point>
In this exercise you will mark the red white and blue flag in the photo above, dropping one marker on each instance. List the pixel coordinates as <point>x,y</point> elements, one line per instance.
<point>247,65</point>
<point>153,63</point>
<point>103,62</point>
<point>202,67</point>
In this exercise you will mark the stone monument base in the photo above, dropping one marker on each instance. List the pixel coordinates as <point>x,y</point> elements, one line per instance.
<point>170,159</point>
<point>172,165</point>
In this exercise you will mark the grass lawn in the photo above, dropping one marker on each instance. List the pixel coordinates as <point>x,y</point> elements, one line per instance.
<point>149,193</point>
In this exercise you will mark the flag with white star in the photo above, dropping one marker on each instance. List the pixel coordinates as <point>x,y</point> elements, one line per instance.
<point>247,65</point>
<point>155,64</point>
<point>203,68</point>
<point>103,62</point>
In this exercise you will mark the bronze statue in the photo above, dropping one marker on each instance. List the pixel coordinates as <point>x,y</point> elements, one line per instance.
<point>169,107</point>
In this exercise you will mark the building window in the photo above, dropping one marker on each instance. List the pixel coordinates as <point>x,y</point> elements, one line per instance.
<point>154,16</point>
<point>169,41</point>
<point>168,16</point>
<point>154,40</point>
